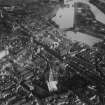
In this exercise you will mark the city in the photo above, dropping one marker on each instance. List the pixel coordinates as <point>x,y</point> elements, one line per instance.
<point>52,52</point>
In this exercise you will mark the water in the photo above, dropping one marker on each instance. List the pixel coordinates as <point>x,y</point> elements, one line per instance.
<point>100,16</point>
<point>3,54</point>
<point>65,19</point>
<point>81,37</point>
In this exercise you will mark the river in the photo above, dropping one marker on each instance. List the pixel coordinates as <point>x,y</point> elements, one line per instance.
<point>65,19</point>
